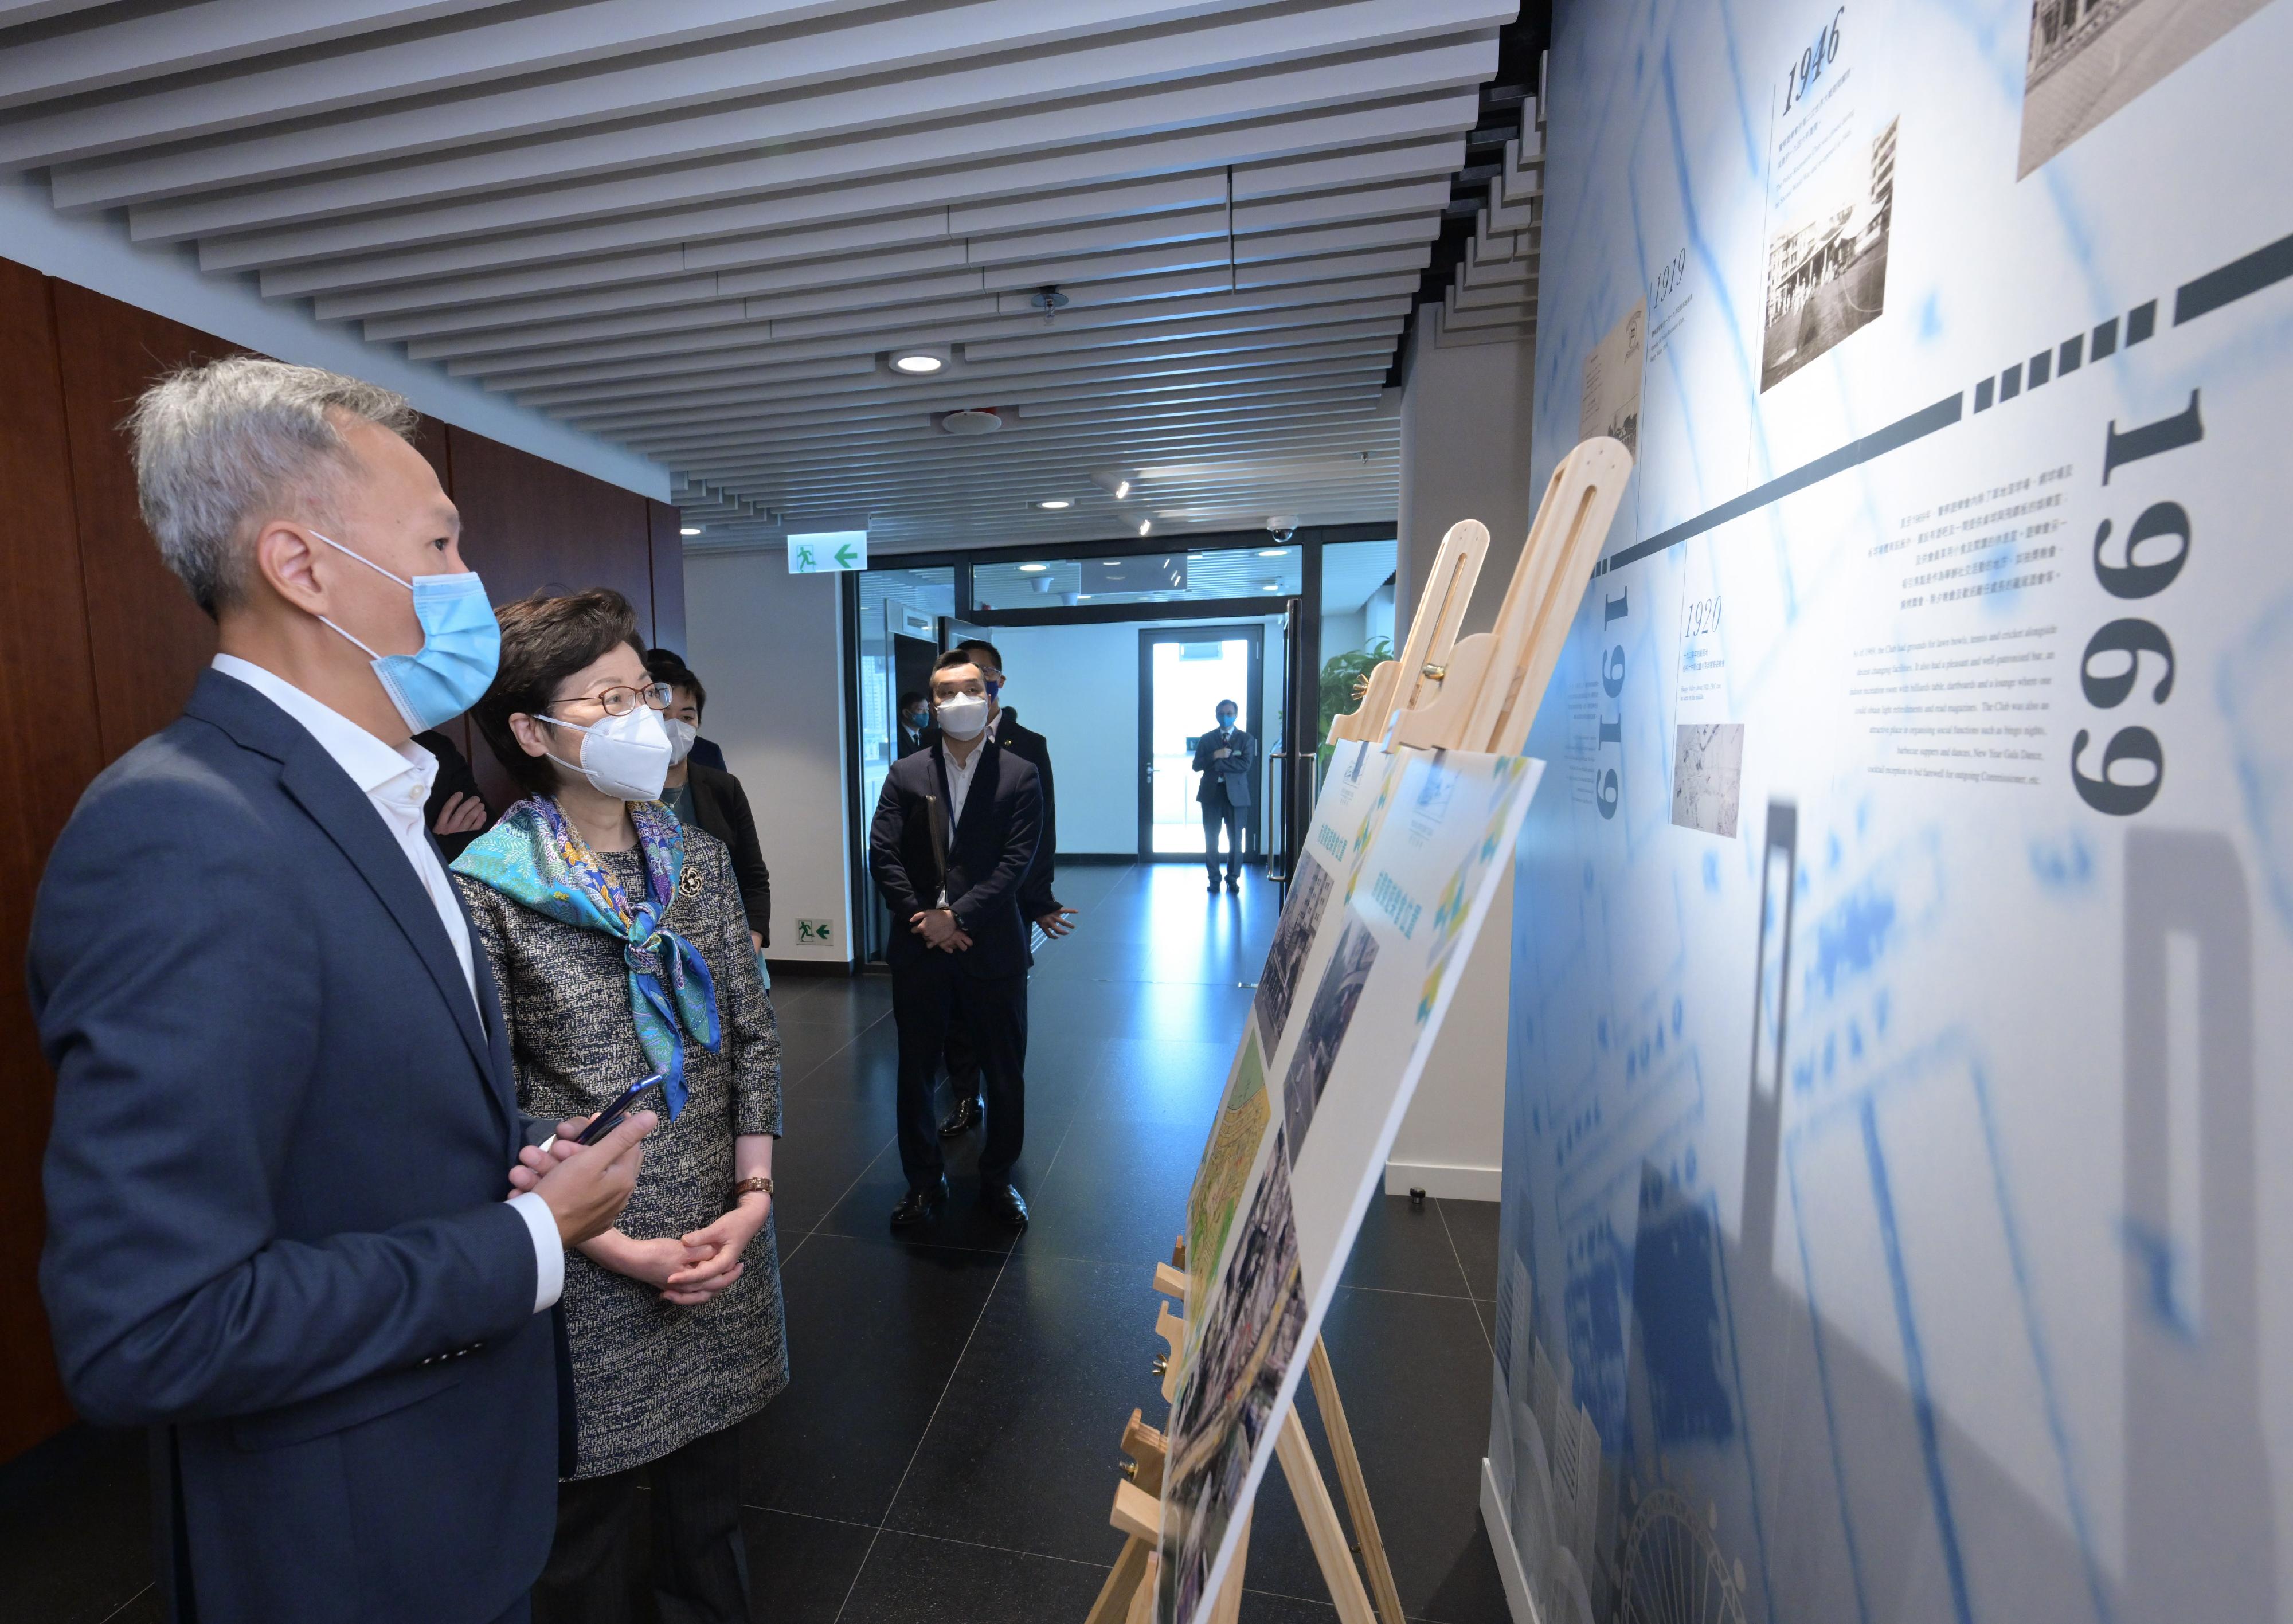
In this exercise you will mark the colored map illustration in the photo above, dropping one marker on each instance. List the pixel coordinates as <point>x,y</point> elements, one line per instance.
<point>1225,1168</point>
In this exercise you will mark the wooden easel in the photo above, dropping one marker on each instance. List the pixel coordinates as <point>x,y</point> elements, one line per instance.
<point>1128,1593</point>
<point>1477,693</point>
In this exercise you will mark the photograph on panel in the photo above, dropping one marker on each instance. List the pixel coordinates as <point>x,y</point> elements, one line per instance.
<point>1326,1020</point>
<point>2089,57</point>
<point>1226,1401</point>
<point>1294,937</point>
<point>1827,270</point>
<point>1707,777</point>
<point>1610,404</point>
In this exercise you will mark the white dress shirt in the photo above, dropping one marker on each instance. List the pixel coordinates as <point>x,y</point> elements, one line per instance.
<point>959,787</point>
<point>397,779</point>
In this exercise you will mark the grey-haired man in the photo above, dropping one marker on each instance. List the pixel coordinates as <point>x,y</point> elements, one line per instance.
<point>295,1220</point>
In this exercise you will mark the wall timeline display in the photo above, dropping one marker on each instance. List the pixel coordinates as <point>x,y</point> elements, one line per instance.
<point>1411,847</point>
<point>1891,1231</point>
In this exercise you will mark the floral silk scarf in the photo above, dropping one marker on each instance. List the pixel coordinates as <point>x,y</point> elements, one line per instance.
<point>535,857</point>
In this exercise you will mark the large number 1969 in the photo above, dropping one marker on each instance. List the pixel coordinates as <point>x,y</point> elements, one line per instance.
<point>2131,767</point>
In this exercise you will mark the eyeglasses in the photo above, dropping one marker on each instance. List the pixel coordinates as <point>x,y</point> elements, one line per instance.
<point>621,701</point>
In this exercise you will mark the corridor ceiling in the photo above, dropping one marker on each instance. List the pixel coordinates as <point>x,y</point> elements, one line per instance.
<point>703,229</point>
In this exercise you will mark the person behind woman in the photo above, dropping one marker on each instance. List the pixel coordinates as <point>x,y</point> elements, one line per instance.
<point>709,797</point>
<point>622,948</point>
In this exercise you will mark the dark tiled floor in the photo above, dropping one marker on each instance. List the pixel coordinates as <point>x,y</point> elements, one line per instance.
<point>947,1448</point>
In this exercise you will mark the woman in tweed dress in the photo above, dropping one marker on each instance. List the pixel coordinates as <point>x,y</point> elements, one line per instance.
<point>621,950</point>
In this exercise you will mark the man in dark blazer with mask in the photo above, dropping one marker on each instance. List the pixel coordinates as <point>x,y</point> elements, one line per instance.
<point>297,1224</point>
<point>954,841</point>
<point>1036,902</point>
<point>1228,760</point>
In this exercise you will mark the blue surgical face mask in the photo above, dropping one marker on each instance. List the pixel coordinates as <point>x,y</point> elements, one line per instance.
<point>461,646</point>
<point>1226,719</point>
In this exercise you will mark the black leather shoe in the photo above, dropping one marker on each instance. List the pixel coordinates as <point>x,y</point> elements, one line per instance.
<point>962,1119</point>
<point>1002,1201</point>
<point>919,1204</point>
<point>1213,885</point>
<point>1233,884</point>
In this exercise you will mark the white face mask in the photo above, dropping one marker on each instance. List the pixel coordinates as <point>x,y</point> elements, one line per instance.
<point>626,757</point>
<point>963,716</point>
<point>681,737</point>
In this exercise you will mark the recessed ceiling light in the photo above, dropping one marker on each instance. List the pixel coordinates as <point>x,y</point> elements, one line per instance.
<point>1272,552</point>
<point>1144,526</point>
<point>1271,586</point>
<point>1053,504</point>
<point>1081,596</point>
<point>920,360</point>
<point>689,530</point>
<point>1033,569</point>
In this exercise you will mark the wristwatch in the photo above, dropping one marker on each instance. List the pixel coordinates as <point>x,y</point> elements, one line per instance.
<point>749,1187</point>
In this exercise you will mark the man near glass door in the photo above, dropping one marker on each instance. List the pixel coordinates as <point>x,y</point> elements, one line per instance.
<point>1228,760</point>
<point>951,846</point>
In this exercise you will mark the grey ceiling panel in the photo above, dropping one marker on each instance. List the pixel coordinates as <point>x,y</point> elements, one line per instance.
<point>1176,238</point>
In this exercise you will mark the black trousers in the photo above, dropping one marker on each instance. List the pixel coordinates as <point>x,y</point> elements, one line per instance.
<point>963,1062</point>
<point>1216,814</point>
<point>699,1570</point>
<point>929,995</point>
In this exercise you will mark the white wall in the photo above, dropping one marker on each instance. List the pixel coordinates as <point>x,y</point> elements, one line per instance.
<point>1464,455</point>
<point>1452,1142</point>
<point>93,251</point>
<point>766,643</point>
<point>1078,687</point>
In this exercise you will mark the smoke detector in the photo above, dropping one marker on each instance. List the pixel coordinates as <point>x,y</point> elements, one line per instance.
<point>972,420</point>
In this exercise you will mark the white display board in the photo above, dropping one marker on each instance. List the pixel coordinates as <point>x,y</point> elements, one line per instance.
<point>1402,859</point>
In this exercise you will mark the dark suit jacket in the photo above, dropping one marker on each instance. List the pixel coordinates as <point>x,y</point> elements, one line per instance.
<point>708,752</point>
<point>1035,899</point>
<point>276,1180</point>
<point>1231,778</point>
<point>721,807</point>
<point>988,855</point>
<point>453,778</point>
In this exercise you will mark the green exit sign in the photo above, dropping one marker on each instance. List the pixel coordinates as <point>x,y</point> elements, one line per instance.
<point>825,552</point>
<point>812,932</point>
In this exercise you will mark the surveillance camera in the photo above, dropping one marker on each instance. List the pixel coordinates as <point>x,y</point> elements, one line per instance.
<point>1281,526</point>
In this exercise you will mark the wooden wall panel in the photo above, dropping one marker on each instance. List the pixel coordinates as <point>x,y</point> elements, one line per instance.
<point>149,638</point>
<point>49,750</point>
<point>100,646</point>
<point>667,576</point>
<point>532,525</point>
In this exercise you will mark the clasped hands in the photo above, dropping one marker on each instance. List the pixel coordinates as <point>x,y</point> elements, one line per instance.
<point>939,929</point>
<point>586,1187</point>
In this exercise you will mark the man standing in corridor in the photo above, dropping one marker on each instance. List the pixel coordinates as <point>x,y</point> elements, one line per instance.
<point>1036,902</point>
<point>952,844</point>
<point>1228,760</point>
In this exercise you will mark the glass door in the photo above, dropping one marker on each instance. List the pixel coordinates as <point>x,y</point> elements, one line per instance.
<point>1183,674</point>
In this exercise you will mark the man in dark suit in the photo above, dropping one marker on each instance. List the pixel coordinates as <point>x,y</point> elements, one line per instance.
<point>954,841</point>
<point>1036,902</point>
<point>915,721</point>
<point>456,812</point>
<point>295,1220</point>
<point>707,752</point>
<point>1228,760</point>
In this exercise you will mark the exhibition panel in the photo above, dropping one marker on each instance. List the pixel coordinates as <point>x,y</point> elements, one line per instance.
<point>1899,956</point>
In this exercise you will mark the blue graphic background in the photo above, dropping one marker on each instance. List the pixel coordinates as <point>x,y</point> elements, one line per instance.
<point>1887,1228</point>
